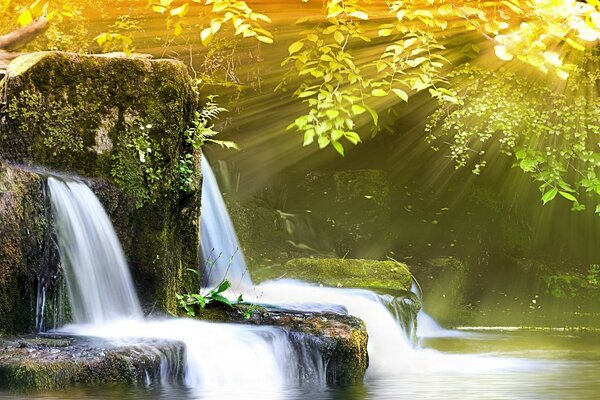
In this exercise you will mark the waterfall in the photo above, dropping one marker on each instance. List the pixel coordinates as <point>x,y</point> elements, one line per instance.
<point>389,340</point>
<point>98,279</point>
<point>391,346</point>
<point>220,359</point>
<point>221,251</point>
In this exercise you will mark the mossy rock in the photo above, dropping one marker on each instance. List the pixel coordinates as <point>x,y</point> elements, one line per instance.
<point>99,115</point>
<point>28,255</point>
<point>339,272</point>
<point>42,363</point>
<point>340,339</point>
<point>122,121</point>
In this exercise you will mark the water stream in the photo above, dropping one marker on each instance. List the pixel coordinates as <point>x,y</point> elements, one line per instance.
<point>236,361</point>
<point>219,357</point>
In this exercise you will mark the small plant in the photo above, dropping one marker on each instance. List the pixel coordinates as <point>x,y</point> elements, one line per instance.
<point>189,301</point>
<point>202,130</point>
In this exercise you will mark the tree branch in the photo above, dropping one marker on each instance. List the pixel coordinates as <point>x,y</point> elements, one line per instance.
<point>20,37</point>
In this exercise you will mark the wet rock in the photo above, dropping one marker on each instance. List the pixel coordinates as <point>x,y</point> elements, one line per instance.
<point>121,121</point>
<point>340,339</point>
<point>44,363</point>
<point>338,272</point>
<point>28,256</point>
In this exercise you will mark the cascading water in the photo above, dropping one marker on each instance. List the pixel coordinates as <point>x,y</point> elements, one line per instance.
<point>221,251</point>
<point>219,357</point>
<point>390,346</point>
<point>98,278</point>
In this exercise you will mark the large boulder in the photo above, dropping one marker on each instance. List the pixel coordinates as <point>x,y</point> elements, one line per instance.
<point>122,122</point>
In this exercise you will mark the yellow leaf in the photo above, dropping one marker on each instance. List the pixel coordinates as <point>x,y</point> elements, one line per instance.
<point>177,30</point>
<point>159,9</point>
<point>360,15</point>
<point>446,9</point>
<point>180,11</point>
<point>503,53</point>
<point>265,39</point>
<point>574,44</point>
<point>295,47</point>
<point>379,92</point>
<point>25,18</point>
<point>206,35</point>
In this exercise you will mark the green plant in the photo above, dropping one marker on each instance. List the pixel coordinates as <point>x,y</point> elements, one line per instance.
<point>593,276</point>
<point>202,130</point>
<point>190,301</point>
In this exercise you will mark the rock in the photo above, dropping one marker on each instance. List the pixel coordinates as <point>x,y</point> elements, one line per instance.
<point>45,363</point>
<point>100,116</point>
<point>338,272</point>
<point>120,121</point>
<point>340,339</point>
<point>28,256</point>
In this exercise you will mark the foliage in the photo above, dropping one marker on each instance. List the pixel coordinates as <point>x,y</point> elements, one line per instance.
<point>189,302</point>
<point>571,285</point>
<point>413,44</point>
<point>553,136</point>
<point>118,37</point>
<point>202,130</point>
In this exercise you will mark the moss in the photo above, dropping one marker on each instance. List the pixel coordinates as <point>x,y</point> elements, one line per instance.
<point>343,273</point>
<point>27,255</point>
<point>100,116</point>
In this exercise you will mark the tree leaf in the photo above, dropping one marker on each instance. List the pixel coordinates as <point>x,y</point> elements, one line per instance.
<point>549,195</point>
<point>295,47</point>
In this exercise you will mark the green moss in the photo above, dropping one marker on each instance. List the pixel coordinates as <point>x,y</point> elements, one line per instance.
<point>343,273</point>
<point>100,116</point>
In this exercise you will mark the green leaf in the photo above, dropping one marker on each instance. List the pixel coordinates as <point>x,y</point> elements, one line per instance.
<point>223,286</point>
<point>568,196</point>
<point>338,147</point>
<point>332,114</point>
<point>374,115</point>
<point>401,93</point>
<point>549,195</point>
<point>220,299</point>
<point>357,109</point>
<point>379,92</point>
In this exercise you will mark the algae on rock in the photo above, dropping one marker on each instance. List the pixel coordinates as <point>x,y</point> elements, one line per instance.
<point>368,274</point>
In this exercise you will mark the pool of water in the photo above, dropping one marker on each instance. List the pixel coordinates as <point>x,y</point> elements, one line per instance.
<point>500,364</point>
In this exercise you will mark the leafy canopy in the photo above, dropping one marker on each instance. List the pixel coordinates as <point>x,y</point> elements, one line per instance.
<point>358,57</point>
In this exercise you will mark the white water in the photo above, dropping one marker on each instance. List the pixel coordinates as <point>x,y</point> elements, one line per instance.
<point>224,360</point>
<point>220,358</point>
<point>98,278</point>
<point>221,251</point>
<point>391,351</point>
